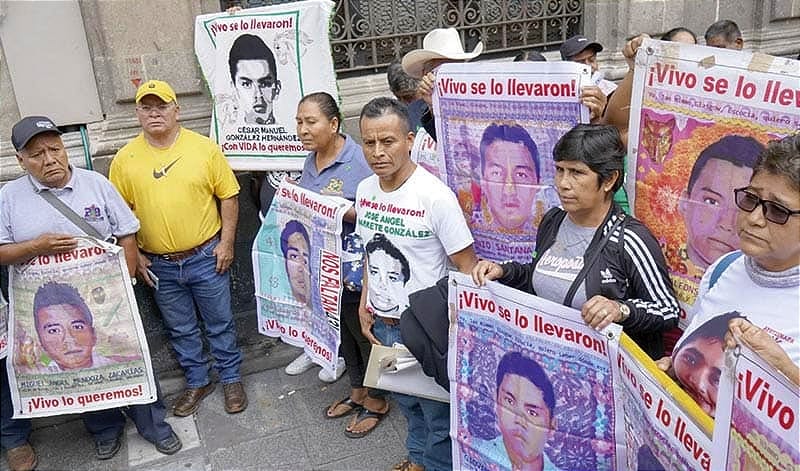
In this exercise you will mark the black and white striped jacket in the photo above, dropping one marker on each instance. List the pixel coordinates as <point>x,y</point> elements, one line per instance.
<point>631,270</point>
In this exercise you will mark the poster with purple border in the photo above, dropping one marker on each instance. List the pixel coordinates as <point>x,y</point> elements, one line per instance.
<point>3,326</point>
<point>761,406</point>
<point>664,427</point>
<point>496,125</point>
<point>530,383</point>
<point>700,116</point>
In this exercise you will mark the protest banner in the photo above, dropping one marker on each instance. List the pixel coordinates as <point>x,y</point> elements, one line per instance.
<point>423,152</point>
<point>76,337</point>
<point>664,428</point>
<point>529,382</point>
<point>258,64</point>
<point>699,118</point>
<point>756,424</point>
<point>496,127</point>
<point>297,264</point>
<point>3,326</point>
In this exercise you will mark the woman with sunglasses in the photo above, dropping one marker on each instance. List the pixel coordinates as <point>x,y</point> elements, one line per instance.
<point>762,281</point>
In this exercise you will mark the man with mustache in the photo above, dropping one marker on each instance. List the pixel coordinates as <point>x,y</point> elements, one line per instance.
<point>30,227</point>
<point>185,194</point>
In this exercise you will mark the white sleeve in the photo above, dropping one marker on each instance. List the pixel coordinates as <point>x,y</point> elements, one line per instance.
<point>448,222</point>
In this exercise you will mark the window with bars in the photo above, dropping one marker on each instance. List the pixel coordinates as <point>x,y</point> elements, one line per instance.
<point>369,34</point>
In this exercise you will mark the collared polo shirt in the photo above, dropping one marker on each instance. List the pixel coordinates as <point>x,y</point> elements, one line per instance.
<point>25,215</point>
<point>340,178</point>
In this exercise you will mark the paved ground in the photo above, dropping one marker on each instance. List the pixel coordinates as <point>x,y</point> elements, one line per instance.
<point>283,428</point>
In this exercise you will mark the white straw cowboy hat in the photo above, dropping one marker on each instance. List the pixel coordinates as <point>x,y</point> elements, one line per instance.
<point>441,43</point>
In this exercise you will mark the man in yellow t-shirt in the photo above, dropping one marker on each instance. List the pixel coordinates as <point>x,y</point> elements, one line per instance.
<point>184,193</point>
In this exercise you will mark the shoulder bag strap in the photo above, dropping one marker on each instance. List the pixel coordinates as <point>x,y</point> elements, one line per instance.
<point>588,263</point>
<point>69,214</point>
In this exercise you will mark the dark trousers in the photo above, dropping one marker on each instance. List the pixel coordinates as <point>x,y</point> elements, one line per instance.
<point>355,348</point>
<point>105,425</point>
<point>13,432</point>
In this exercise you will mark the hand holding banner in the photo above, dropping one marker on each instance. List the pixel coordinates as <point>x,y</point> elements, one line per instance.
<point>518,358</point>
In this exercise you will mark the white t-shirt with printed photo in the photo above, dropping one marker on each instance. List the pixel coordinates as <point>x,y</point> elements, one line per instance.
<point>773,309</point>
<point>421,225</point>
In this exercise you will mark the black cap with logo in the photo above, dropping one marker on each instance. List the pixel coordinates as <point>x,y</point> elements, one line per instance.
<point>31,126</point>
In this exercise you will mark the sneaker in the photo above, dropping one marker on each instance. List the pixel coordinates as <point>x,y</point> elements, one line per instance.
<point>326,376</point>
<point>106,450</point>
<point>300,365</point>
<point>21,458</point>
<point>169,445</point>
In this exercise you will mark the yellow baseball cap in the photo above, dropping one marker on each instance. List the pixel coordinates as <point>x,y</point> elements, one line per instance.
<point>157,88</point>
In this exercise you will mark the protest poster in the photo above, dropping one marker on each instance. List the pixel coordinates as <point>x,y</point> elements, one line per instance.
<point>423,152</point>
<point>664,428</point>
<point>530,382</point>
<point>258,64</point>
<point>756,424</point>
<point>297,264</point>
<point>76,338</point>
<point>3,326</point>
<point>496,127</point>
<point>700,117</point>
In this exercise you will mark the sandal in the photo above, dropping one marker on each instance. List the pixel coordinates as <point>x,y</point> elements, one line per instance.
<point>366,414</point>
<point>352,406</point>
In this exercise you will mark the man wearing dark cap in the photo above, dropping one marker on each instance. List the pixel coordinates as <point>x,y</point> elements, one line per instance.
<point>582,50</point>
<point>185,194</point>
<point>30,226</point>
<point>595,97</point>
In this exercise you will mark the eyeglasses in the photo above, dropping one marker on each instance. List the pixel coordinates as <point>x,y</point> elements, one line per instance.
<point>160,109</point>
<point>773,212</point>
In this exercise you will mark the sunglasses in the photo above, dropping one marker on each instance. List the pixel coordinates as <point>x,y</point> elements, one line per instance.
<point>773,212</point>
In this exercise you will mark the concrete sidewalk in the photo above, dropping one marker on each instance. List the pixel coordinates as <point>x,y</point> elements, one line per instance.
<point>283,428</point>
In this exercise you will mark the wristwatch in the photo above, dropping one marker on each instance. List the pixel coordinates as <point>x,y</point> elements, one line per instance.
<point>624,311</point>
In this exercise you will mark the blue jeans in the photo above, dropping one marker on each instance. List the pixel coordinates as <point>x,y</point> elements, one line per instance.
<point>181,285</point>
<point>105,425</point>
<point>13,432</point>
<point>428,440</point>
